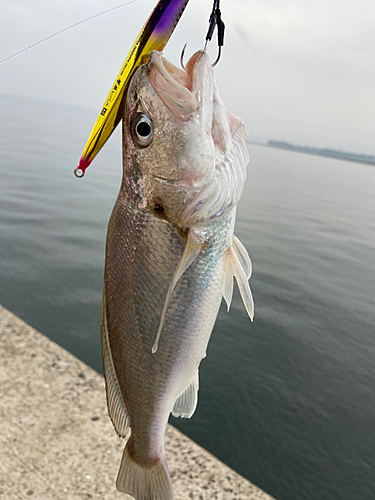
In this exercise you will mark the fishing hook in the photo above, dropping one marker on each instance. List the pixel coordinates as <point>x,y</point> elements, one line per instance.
<point>218,58</point>
<point>183,54</point>
<point>215,20</point>
<point>182,57</point>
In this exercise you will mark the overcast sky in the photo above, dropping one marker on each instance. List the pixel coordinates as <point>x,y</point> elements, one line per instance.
<point>295,70</point>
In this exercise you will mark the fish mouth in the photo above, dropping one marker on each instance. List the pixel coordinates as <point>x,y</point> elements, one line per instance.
<point>182,91</point>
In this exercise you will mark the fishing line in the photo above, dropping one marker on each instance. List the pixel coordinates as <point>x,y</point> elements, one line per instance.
<point>66,29</point>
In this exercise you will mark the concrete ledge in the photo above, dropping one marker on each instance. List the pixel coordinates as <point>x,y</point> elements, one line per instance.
<point>56,439</point>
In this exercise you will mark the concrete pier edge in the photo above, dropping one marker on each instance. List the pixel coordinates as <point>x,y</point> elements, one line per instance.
<point>56,439</point>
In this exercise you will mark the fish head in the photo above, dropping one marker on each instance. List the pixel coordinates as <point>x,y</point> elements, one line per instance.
<point>167,131</point>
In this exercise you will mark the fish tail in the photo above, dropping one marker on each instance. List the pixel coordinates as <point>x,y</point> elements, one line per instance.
<point>144,483</point>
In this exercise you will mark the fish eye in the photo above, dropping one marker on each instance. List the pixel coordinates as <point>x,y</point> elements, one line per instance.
<point>142,130</point>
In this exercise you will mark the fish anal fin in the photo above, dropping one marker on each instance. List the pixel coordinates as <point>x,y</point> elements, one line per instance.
<point>193,247</point>
<point>115,402</point>
<point>186,403</point>
<point>144,483</point>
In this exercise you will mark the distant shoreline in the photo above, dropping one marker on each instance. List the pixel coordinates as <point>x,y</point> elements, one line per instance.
<point>327,153</point>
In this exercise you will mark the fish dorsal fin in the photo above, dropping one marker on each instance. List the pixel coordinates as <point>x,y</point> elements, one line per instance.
<point>237,262</point>
<point>186,403</point>
<point>193,247</point>
<point>115,402</point>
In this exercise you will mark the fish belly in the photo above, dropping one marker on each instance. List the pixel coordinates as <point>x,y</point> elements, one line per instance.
<point>142,255</point>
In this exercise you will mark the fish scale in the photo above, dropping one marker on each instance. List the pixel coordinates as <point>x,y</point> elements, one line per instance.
<point>170,258</point>
<point>141,272</point>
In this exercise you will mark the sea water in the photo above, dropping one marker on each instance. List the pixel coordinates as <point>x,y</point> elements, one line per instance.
<point>288,401</point>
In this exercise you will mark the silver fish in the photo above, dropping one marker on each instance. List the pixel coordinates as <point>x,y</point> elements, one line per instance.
<point>170,257</point>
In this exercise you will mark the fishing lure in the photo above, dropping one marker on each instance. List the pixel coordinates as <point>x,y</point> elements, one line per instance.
<point>153,36</point>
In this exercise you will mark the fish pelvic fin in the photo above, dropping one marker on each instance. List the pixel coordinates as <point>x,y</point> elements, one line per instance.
<point>238,264</point>
<point>144,483</point>
<point>228,278</point>
<point>186,403</point>
<point>115,402</point>
<point>243,256</point>
<point>193,247</point>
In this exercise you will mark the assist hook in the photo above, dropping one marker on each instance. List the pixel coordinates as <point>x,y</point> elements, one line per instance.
<point>215,20</point>
<point>182,57</point>
<point>183,54</point>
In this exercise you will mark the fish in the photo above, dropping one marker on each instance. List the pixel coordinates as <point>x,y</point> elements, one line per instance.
<point>171,256</point>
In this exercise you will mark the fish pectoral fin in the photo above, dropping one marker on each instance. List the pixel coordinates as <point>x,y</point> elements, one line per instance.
<point>238,263</point>
<point>152,482</point>
<point>193,247</point>
<point>115,402</point>
<point>186,403</point>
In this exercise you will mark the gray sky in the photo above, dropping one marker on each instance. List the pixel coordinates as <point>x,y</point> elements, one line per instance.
<point>296,70</point>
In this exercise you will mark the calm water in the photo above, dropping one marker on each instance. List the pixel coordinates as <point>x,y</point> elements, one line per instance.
<point>287,401</point>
